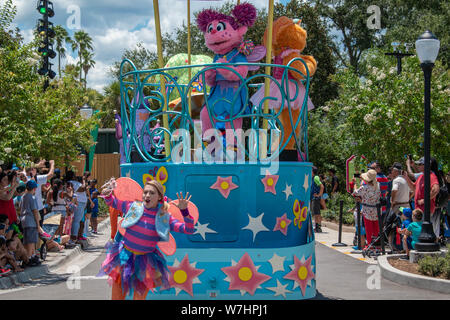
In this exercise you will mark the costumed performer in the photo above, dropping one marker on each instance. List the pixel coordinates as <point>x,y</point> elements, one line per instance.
<point>133,263</point>
<point>288,41</point>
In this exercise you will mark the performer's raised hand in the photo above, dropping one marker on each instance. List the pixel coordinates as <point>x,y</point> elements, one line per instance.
<point>108,187</point>
<point>183,202</point>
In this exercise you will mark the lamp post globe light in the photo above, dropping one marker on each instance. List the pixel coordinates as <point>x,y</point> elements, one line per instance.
<point>427,48</point>
<point>86,113</point>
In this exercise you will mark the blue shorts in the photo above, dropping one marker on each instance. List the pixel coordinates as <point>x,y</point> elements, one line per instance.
<point>94,214</point>
<point>409,243</point>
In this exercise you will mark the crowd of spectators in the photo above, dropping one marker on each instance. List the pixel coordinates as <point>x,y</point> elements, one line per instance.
<point>400,192</point>
<point>30,195</point>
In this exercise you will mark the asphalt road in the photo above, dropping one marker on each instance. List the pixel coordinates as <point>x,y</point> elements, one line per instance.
<point>339,277</point>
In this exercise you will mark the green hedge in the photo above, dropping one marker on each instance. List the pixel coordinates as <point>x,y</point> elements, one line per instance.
<point>436,266</point>
<point>332,212</point>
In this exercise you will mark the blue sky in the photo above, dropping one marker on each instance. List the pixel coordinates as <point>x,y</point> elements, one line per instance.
<point>113,25</point>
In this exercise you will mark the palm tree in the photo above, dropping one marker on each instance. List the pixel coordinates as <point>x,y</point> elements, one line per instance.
<point>61,38</point>
<point>88,63</point>
<point>82,42</point>
<point>72,71</point>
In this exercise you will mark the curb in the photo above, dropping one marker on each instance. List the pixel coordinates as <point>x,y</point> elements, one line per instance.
<point>31,273</point>
<point>422,282</point>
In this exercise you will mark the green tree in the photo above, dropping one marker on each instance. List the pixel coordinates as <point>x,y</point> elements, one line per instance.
<point>349,19</point>
<point>36,124</point>
<point>61,38</point>
<point>88,63</point>
<point>141,57</point>
<point>406,20</point>
<point>383,112</point>
<point>82,43</point>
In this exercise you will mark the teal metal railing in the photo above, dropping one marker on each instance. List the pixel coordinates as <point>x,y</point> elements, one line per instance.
<point>140,92</point>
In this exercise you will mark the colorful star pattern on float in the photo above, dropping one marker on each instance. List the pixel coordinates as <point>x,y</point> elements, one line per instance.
<point>282,224</point>
<point>244,276</point>
<point>255,225</point>
<point>270,182</point>
<point>301,273</point>
<point>257,268</point>
<point>184,275</point>
<point>224,186</point>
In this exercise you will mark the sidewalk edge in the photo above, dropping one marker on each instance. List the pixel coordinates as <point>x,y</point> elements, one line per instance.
<point>422,282</point>
<point>16,279</point>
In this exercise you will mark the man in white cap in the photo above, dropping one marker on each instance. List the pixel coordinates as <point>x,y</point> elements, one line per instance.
<point>400,193</point>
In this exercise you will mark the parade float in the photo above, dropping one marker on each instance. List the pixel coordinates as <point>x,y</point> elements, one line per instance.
<point>248,175</point>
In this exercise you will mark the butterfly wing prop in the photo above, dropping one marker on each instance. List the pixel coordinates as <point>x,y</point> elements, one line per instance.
<point>128,190</point>
<point>169,247</point>
<point>256,55</point>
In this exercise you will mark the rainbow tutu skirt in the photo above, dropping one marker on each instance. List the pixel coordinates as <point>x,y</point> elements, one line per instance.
<point>139,272</point>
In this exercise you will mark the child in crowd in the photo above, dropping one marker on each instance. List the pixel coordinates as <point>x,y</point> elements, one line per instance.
<point>89,207</point>
<point>94,214</point>
<point>29,219</point>
<point>4,225</point>
<point>57,197</point>
<point>6,257</point>
<point>71,207</point>
<point>406,217</point>
<point>412,232</point>
<point>363,230</point>
<point>16,247</point>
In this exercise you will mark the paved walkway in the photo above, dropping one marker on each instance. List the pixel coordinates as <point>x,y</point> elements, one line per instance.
<point>330,236</point>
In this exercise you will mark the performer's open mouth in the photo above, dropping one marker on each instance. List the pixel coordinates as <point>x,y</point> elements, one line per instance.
<point>218,43</point>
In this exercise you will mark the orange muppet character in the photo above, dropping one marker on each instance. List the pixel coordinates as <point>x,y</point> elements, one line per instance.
<point>288,41</point>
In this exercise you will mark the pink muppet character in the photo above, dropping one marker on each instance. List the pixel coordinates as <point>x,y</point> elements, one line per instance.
<point>224,35</point>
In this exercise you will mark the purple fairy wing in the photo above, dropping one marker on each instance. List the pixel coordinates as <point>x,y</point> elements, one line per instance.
<point>257,54</point>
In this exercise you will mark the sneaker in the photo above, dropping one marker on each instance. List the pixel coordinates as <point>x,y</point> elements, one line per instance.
<point>318,229</point>
<point>82,238</point>
<point>45,235</point>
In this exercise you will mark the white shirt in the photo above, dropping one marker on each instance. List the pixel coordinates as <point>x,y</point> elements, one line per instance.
<point>81,196</point>
<point>41,180</point>
<point>400,184</point>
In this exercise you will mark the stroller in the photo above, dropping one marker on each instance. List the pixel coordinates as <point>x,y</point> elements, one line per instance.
<point>390,222</point>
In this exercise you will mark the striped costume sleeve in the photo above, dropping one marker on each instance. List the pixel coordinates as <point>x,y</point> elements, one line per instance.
<point>186,227</point>
<point>115,203</point>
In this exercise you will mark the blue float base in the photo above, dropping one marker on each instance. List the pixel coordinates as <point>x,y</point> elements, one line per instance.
<point>265,217</point>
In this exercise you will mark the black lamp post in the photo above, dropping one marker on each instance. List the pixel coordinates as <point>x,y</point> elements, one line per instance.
<point>86,113</point>
<point>399,55</point>
<point>427,47</point>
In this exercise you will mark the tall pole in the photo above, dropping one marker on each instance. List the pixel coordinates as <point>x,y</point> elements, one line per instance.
<point>189,53</point>
<point>267,80</point>
<point>427,237</point>
<point>163,80</point>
